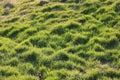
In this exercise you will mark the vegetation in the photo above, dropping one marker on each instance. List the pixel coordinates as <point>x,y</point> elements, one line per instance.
<point>60,40</point>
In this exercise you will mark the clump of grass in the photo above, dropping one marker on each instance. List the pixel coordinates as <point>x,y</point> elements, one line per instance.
<point>49,15</point>
<point>13,62</point>
<point>112,73</point>
<point>33,16</point>
<point>74,6</point>
<point>117,7</point>
<point>8,71</point>
<point>101,10</point>
<point>21,49</point>
<point>74,75</point>
<point>52,78</point>
<point>91,28</point>
<point>84,54</point>
<point>14,32</point>
<point>72,50</point>
<point>30,56</point>
<point>93,74</point>
<point>57,74</point>
<point>43,71</point>
<point>46,61</point>
<point>88,10</point>
<point>107,18</point>
<point>80,39</point>
<point>27,33</point>
<point>6,31</point>
<point>81,19</point>
<point>109,2</point>
<point>101,56</point>
<point>69,65</point>
<point>26,68</point>
<point>12,20</point>
<point>108,56</point>
<point>68,37</point>
<point>58,7</point>
<point>41,41</point>
<point>75,1</point>
<point>111,43</point>
<point>47,51</point>
<point>98,47</point>
<point>30,31</point>
<point>54,7</point>
<point>59,29</point>
<point>46,9</point>
<point>56,42</point>
<point>76,59</point>
<point>62,74</point>
<point>72,25</point>
<point>61,55</point>
<point>23,77</point>
<point>90,7</point>
<point>84,18</point>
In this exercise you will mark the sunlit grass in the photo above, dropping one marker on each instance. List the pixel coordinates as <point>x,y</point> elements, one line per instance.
<point>60,40</point>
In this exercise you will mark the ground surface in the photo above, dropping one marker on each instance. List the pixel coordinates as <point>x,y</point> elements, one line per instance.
<point>60,41</point>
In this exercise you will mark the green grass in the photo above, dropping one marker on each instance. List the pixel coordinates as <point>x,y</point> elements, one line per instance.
<point>60,40</point>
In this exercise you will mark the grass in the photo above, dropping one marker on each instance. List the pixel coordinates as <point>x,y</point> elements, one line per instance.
<point>60,40</point>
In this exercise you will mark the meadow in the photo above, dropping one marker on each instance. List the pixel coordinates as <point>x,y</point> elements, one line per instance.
<point>71,40</point>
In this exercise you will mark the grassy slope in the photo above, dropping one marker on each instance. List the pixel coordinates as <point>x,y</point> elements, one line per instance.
<point>61,41</point>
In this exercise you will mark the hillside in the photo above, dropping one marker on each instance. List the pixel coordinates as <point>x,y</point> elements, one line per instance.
<point>60,40</point>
